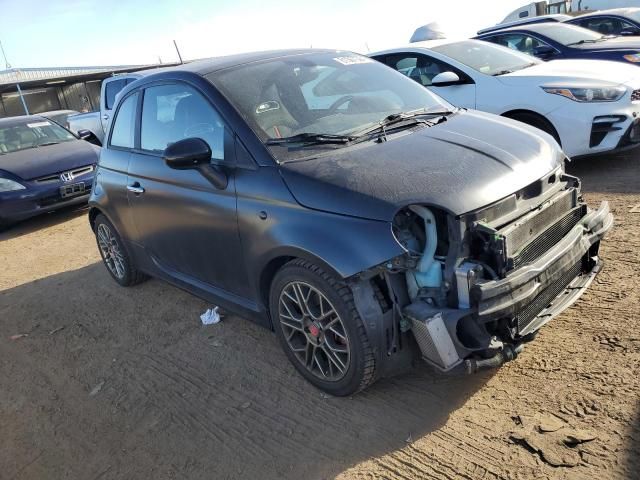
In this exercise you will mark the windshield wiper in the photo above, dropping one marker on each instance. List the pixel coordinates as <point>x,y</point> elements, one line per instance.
<point>410,118</point>
<point>582,42</point>
<point>47,143</point>
<point>312,138</point>
<point>520,67</point>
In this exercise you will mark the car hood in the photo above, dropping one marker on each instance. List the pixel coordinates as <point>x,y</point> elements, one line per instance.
<point>576,71</point>
<point>619,43</point>
<point>38,162</point>
<point>465,163</point>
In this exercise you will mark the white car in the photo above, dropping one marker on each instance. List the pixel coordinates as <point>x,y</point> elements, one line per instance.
<point>588,106</point>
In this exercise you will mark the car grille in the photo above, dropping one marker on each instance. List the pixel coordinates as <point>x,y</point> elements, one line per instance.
<point>530,311</point>
<point>74,173</point>
<point>635,95</point>
<point>547,239</point>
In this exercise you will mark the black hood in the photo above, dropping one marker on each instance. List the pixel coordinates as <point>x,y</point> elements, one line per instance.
<point>465,163</point>
<point>49,159</point>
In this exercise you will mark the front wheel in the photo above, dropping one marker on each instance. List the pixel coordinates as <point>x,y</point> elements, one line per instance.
<point>316,321</point>
<point>114,254</point>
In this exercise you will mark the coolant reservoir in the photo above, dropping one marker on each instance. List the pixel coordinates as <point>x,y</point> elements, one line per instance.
<point>431,278</point>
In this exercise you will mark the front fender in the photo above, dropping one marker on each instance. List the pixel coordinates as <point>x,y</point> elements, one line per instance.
<point>345,245</point>
<point>274,227</point>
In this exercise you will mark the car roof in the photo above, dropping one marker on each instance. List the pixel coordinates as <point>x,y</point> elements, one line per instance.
<point>553,17</point>
<point>612,11</point>
<point>20,120</point>
<point>209,65</point>
<point>426,44</point>
<point>536,27</point>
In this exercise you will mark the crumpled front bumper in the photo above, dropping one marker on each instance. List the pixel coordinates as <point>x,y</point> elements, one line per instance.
<point>534,294</point>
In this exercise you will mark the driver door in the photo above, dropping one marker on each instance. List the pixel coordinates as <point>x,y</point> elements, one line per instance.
<point>187,226</point>
<point>424,68</point>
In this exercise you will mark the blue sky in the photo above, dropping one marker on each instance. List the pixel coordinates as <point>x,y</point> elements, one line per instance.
<point>38,33</point>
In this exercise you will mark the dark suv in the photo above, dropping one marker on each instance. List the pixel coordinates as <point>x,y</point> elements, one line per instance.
<point>334,200</point>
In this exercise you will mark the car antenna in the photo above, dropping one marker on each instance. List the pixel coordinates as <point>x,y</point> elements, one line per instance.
<point>177,50</point>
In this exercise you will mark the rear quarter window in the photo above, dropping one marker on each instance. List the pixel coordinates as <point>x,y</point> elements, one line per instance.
<point>111,90</point>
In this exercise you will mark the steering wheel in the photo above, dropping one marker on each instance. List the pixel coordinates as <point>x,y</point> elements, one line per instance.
<point>339,102</point>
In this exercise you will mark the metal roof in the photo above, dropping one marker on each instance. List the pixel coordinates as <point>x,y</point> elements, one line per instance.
<point>20,75</point>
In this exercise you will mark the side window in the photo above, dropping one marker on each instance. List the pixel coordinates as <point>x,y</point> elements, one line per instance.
<point>626,26</point>
<point>605,26</point>
<point>420,68</point>
<point>174,112</point>
<point>111,89</point>
<point>124,124</point>
<point>517,41</point>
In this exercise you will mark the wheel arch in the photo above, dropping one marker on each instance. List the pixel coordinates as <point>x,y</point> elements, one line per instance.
<point>513,114</point>
<point>93,214</point>
<point>278,260</point>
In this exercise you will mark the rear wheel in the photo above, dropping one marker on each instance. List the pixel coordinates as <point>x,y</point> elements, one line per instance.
<point>537,121</point>
<point>320,330</point>
<point>114,254</point>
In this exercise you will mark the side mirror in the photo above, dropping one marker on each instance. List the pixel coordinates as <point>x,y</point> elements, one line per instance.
<point>187,153</point>
<point>445,79</point>
<point>543,51</point>
<point>84,134</point>
<point>195,154</point>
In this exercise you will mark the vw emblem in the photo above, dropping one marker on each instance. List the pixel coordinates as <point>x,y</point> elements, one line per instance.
<point>66,177</point>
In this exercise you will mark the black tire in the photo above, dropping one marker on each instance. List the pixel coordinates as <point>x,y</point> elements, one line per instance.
<point>361,369</point>
<point>537,121</point>
<point>126,273</point>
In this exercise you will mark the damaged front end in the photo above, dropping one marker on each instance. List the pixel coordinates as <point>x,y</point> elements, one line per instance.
<point>472,289</point>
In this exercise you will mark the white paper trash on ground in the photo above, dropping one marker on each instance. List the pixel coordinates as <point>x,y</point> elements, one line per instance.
<point>211,316</point>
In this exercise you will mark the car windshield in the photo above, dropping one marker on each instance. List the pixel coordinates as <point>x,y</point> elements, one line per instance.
<point>633,14</point>
<point>568,34</point>
<point>336,93</point>
<point>486,57</point>
<point>31,134</point>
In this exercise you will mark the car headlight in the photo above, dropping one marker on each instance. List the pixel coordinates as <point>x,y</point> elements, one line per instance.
<point>7,185</point>
<point>633,58</point>
<point>588,94</point>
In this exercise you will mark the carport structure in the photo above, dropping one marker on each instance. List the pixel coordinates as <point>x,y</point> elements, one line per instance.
<point>57,88</point>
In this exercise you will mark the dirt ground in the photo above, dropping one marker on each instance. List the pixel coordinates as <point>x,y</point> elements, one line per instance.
<point>113,383</point>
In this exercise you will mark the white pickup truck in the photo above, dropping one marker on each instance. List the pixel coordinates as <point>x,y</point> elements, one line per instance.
<point>96,122</point>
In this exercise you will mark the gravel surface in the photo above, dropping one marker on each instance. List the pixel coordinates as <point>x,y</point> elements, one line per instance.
<point>101,382</point>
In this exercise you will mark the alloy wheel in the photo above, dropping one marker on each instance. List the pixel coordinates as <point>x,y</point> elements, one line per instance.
<point>111,252</point>
<point>314,331</point>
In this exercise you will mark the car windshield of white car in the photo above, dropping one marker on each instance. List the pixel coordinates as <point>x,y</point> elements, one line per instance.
<point>486,57</point>
<point>321,98</point>
<point>31,134</point>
